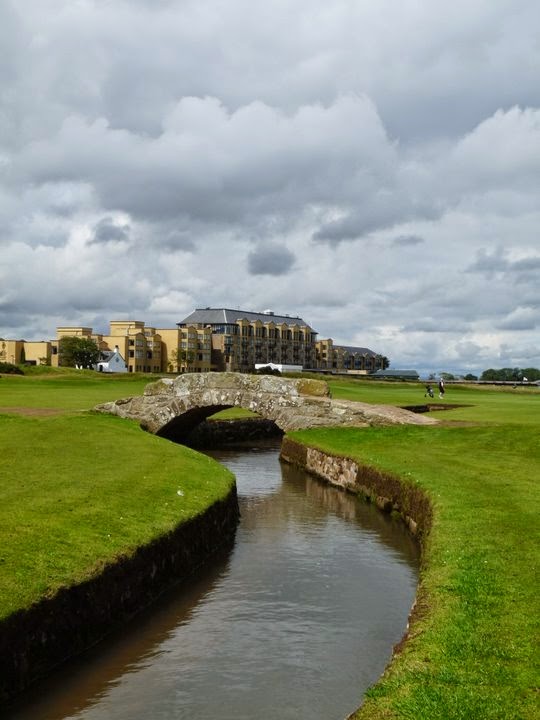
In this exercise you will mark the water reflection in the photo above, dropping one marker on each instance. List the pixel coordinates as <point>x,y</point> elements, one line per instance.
<point>295,622</point>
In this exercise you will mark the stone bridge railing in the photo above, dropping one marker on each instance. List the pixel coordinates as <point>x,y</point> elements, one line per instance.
<point>175,406</point>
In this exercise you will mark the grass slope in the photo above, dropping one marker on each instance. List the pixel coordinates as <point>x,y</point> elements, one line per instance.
<point>81,489</point>
<point>473,651</point>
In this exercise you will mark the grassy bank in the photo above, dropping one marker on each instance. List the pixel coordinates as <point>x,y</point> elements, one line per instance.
<point>473,652</point>
<point>66,389</point>
<point>80,489</point>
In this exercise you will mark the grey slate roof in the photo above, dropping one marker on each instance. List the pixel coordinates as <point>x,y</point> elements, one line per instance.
<point>218,316</point>
<point>356,350</point>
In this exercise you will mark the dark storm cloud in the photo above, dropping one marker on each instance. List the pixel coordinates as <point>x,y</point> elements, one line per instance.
<point>271,259</point>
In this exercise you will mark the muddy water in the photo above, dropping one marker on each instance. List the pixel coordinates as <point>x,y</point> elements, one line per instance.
<point>295,621</point>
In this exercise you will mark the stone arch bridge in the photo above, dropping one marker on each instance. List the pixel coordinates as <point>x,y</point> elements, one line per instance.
<point>173,407</point>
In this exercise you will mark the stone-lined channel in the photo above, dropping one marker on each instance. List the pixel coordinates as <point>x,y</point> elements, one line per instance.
<point>296,621</point>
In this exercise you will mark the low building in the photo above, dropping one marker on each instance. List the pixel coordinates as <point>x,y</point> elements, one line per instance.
<point>20,352</point>
<point>396,374</point>
<point>279,367</point>
<point>110,361</point>
<point>347,358</point>
<point>139,345</point>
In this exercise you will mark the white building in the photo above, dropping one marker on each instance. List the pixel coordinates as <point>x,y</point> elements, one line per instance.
<point>111,361</point>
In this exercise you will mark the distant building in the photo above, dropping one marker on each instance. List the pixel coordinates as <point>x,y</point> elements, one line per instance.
<point>346,358</point>
<point>240,339</point>
<point>397,374</point>
<point>111,361</point>
<point>279,367</point>
<point>18,352</point>
<point>140,346</point>
<point>208,339</point>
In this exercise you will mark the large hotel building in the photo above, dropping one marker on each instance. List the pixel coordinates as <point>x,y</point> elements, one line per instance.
<point>209,339</point>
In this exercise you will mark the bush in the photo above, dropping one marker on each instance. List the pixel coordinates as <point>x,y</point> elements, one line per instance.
<point>10,369</point>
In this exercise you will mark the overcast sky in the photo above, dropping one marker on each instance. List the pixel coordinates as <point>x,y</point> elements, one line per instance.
<point>371,166</point>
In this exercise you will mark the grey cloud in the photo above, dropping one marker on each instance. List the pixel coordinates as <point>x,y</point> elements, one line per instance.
<point>213,165</point>
<point>529,264</point>
<point>271,259</point>
<point>179,240</point>
<point>437,325</point>
<point>358,223</point>
<point>497,261</point>
<point>489,262</point>
<point>520,319</point>
<point>200,130</point>
<point>106,230</point>
<point>407,240</point>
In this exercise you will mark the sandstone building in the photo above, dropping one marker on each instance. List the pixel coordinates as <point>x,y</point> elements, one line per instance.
<point>218,339</point>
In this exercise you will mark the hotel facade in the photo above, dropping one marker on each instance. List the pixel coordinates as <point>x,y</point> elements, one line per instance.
<point>209,339</point>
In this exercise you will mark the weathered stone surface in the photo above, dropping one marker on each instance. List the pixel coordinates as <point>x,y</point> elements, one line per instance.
<point>292,404</point>
<point>389,492</point>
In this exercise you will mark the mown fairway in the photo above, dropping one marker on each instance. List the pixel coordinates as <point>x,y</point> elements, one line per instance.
<point>67,389</point>
<point>473,652</point>
<point>80,489</point>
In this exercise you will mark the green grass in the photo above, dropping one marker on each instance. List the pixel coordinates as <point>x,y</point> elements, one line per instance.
<point>81,489</point>
<point>68,389</point>
<point>473,652</point>
<point>234,413</point>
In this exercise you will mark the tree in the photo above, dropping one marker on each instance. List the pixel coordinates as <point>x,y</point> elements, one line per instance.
<point>187,357</point>
<point>511,374</point>
<point>77,352</point>
<point>173,364</point>
<point>470,376</point>
<point>532,374</point>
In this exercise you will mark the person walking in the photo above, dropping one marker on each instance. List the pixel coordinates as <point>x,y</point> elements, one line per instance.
<point>429,390</point>
<point>441,388</point>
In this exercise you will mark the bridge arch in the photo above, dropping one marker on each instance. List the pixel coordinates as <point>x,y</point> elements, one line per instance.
<point>181,403</point>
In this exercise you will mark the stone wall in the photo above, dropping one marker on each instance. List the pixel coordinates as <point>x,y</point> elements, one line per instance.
<point>34,641</point>
<point>388,492</point>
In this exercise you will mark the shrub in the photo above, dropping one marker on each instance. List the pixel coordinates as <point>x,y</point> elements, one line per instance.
<point>10,369</point>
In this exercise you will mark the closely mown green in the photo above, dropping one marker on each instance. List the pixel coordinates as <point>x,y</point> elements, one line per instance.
<point>81,489</point>
<point>473,650</point>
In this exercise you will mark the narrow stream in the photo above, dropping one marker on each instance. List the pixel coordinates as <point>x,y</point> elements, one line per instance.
<point>296,621</point>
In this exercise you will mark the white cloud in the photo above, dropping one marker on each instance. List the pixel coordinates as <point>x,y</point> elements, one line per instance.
<point>157,156</point>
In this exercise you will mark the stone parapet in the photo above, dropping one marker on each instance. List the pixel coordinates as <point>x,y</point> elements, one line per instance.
<point>181,403</point>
